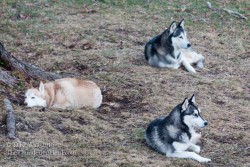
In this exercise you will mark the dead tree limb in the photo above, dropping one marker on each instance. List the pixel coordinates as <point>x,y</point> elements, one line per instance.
<point>11,120</point>
<point>25,68</point>
<point>230,12</point>
<point>236,14</point>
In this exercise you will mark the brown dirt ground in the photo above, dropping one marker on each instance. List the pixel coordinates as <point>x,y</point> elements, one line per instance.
<point>105,44</point>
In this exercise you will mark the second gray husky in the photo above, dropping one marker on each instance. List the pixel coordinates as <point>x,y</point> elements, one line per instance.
<point>172,49</point>
<point>174,135</point>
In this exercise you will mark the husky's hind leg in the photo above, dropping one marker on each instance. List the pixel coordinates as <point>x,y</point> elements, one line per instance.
<point>193,58</point>
<point>195,148</point>
<point>200,61</point>
<point>191,155</point>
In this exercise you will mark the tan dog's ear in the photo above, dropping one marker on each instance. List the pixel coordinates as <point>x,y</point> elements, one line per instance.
<point>41,88</point>
<point>30,85</point>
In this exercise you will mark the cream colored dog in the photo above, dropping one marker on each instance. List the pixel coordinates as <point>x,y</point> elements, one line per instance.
<point>65,93</point>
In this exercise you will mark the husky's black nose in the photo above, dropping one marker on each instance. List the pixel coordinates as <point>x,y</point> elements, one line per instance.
<point>205,123</point>
<point>188,45</point>
<point>25,103</point>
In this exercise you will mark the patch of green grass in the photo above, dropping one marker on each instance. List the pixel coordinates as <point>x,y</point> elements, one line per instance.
<point>138,134</point>
<point>2,63</point>
<point>20,85</point>
<point>109,53</point>
<point>77,2</point>
<point>124,3</point>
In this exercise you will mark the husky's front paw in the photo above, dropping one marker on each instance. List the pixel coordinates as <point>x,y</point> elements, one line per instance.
<point>192,71</point>
<point>202,160</point>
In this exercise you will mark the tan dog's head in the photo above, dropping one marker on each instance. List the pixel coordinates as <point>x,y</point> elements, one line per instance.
<point>35,97</point>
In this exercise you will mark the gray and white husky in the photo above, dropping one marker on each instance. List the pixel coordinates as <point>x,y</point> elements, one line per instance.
<point>174,135</point>
<point>172,49</point>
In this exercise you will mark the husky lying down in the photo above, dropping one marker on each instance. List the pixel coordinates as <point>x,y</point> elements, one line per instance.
<point>175,134</point>
<point>172,49</point>
<point>65,93</point>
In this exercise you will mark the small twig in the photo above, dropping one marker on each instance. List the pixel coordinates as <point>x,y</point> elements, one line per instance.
<point>233,13</point>
<point>209,5</point>
<point>11,120</point>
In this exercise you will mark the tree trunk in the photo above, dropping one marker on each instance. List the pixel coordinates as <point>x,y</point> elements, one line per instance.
<point>29,70</point>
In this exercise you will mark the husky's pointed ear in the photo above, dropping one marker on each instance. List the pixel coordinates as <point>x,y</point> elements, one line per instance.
<point>192,99</point>
<point>41,88</point>
<point>182,23</point>
<point>184,105</point>
<point>172,27</point>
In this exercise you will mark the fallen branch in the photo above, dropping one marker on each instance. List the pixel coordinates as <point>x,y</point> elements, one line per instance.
<point>233,13</point>
<point>26,69</point>
<point>11,120</point>
<point>7,79</point>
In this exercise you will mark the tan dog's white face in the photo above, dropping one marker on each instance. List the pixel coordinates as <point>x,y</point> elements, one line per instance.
<point>35,97</point>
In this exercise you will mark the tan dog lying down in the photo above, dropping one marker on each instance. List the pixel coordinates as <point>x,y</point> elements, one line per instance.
<point>65,93</point>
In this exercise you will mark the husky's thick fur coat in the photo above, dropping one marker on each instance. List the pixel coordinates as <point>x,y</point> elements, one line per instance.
<point>65,93</point>
<point>172,49</point>
<point>175,134</point>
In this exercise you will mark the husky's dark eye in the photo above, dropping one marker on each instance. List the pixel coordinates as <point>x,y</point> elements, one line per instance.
<point>181,37</point>
<point>196,115</point>
<point>32,97</point>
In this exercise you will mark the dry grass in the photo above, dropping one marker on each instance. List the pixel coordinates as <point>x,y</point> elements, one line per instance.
<point>104,42</point>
